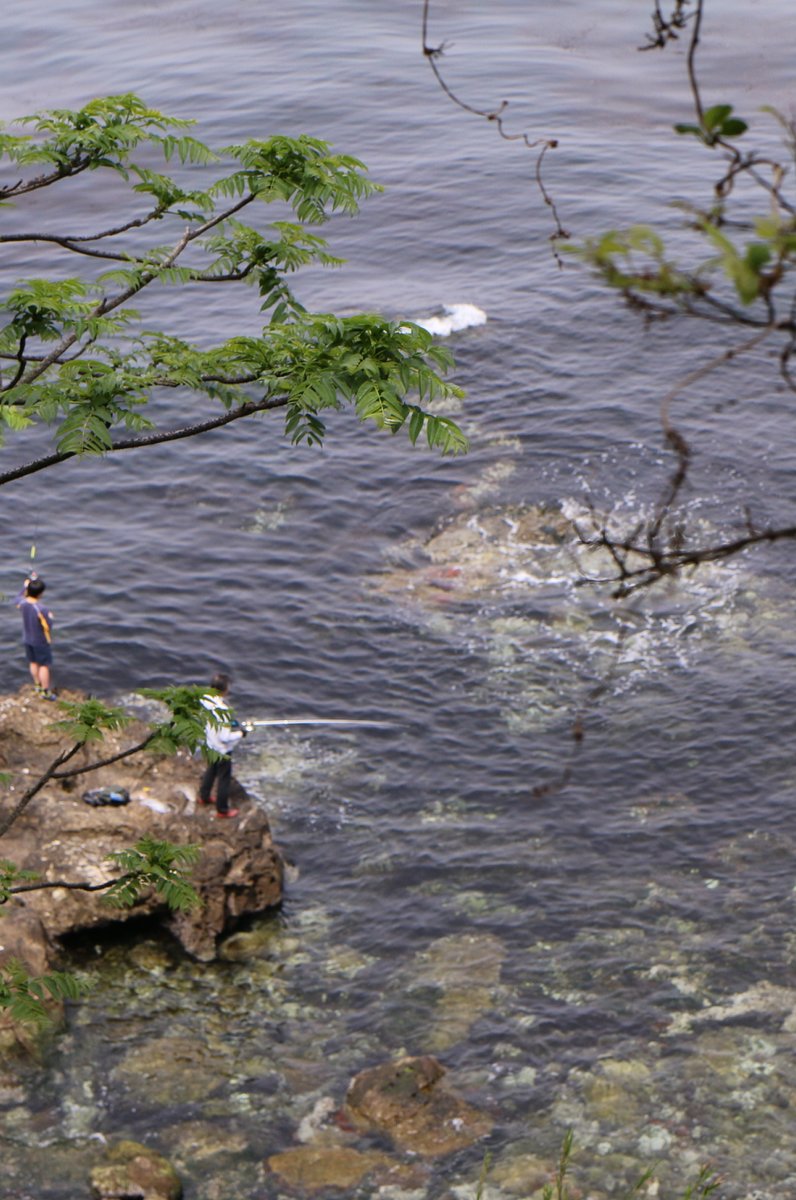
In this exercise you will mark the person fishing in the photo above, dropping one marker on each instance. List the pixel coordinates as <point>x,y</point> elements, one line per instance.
<point>37,626</point>
<point>222,734</point>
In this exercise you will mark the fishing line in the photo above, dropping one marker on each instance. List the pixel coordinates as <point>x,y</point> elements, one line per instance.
<point>259,724</point>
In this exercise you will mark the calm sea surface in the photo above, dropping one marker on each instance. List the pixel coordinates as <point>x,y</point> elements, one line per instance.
<point>616,956</point>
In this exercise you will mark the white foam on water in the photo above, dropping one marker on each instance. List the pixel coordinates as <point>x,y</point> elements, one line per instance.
<point>455,318</point>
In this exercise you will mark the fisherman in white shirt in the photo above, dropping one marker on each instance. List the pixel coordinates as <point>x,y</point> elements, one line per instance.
<point>222,734</point>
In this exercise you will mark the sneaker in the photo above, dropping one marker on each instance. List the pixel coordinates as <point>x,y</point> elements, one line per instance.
<point>230,812</point>
<point>201,800</point>
<point>48,695</point>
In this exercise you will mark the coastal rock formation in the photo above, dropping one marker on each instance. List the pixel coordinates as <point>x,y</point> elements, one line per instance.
<point>63,841</point>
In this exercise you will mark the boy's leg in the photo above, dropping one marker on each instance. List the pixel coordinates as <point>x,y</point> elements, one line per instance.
<point>206,786</point>
<point>39,660</point>
<point>224,775</point>
<point>33,666</point>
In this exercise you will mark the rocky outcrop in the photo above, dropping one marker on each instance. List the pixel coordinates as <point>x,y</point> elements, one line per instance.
<point>63,840</point>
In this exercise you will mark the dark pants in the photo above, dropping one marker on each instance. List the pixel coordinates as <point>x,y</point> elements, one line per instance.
<point>220,773</point>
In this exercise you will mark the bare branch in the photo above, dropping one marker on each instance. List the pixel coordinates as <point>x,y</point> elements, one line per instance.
<point>7,821</point>
<point>496,115</point>
<point>63,883</point>
<point>106,762</point>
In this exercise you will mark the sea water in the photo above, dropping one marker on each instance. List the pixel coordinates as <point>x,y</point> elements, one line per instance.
<point>585,932</point>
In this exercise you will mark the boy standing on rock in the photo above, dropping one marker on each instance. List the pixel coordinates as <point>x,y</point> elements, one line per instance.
<point>222,735</point>
<point>37,625</point>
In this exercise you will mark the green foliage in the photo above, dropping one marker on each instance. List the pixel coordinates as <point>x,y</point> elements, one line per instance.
<point>744,268</point>
<point>559,1188</point>
<point>153,864</point>
<point>77,355</point>
<point>25,996</point>
<point>634,260</point>
<point>717,123</point>
<point>89,720</point>
<point>185,727</point>
<point>10,875</point>
<point>101,134</point>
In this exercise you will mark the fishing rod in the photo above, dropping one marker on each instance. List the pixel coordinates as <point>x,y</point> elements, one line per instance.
<point>281,721</point>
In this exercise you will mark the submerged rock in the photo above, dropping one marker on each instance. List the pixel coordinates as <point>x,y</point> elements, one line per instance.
<point>169,1070</point>
<point>522,1174</point>
<point>134,1172</point>
<point>480,554</point>
<point>406,1100</point>
<point>465,970</point>
<point>315,1169</point>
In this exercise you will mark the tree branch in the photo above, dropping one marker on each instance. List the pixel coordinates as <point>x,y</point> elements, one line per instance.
<point>63,883</point>
<point>153,439</point>
<point>106,762</point>
<point>432,55</point>
<point>7,821</point>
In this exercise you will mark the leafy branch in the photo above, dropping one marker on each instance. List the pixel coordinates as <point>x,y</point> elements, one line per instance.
<point>89,720</point>
<point>148,866</point>
<point>24,996</point>
<point>81,361</point>
<point>741,277</point>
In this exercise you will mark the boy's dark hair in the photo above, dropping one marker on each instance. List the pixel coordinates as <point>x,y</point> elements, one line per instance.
<point>35,587</point>
<point>220,682</point>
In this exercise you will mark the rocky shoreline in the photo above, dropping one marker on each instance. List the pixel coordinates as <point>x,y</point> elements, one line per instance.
<point>61,838</point>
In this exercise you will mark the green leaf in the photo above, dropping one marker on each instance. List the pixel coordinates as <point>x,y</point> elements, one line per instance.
<point>758,254</point>
<point>152,864</point>
<point>696,130</point>
<point>416,422</point>
<point>716,116</point>
<point>734,127</point>
<point>89,720</point>
<point>25,996</point>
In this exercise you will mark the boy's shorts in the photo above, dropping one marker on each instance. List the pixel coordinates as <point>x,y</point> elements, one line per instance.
<point>42,655</point>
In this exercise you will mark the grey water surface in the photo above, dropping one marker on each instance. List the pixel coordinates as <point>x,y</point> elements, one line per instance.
<point>617,955</point>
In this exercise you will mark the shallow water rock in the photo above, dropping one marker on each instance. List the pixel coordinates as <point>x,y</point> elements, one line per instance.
<point>202,1141</point>
<point>133,1172</point>
<point>617,1090</point>
<point>315,1169</point>
<point>169,1070</point>
<point>465,968</point>
<point>406,1099</point>
<point>762,1000</point>
<point>523,1175</point>
<point>478,554</point>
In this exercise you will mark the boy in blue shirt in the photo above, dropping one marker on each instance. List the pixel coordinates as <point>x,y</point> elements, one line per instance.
<point>37,625</point>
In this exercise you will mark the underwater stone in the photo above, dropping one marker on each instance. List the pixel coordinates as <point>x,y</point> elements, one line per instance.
<point>169,1070</point>
<point>133,1172</point>
<point>315,1169</point>
<point>522,1174</point>
<point>405,1099</point>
